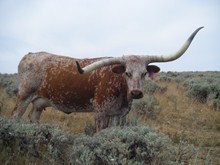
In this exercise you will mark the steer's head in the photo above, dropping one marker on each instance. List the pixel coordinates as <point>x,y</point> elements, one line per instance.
<point>136,67</point>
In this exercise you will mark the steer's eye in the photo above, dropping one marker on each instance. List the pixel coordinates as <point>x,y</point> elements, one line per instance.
<point>143,74</point>
<point>128,74</point>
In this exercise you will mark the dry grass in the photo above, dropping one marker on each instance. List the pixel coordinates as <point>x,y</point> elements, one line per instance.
<point>185,119</point>
<point>74,122</point>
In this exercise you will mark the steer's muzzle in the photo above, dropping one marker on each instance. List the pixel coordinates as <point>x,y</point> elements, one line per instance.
<point>136,94</point>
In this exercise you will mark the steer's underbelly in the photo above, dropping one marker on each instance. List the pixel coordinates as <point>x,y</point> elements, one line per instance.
<point>66,107</point>
<point>73,108</point>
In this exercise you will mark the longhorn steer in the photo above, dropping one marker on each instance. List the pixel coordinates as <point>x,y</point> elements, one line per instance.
<point>105,85</point>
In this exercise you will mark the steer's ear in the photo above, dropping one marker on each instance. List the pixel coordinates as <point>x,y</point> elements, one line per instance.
<point>119,69</point>
<point>152,69</point>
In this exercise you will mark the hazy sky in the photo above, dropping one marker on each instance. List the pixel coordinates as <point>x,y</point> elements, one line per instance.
<point>94,28</point>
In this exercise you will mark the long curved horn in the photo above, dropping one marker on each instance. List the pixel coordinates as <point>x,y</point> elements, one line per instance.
<point>99,64</point>
<point>179,53</point>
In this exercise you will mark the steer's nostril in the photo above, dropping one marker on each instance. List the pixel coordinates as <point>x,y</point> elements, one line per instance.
<point>136,94</point>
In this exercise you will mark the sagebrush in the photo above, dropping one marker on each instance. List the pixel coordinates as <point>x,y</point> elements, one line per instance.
<point>47,144</point>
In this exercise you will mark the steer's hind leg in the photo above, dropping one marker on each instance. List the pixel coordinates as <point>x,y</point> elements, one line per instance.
<point>39,105</point>
<point>35,114</point>
<point>21,105</point>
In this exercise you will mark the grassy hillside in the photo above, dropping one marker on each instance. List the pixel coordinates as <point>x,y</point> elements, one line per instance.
<point>185,106</point>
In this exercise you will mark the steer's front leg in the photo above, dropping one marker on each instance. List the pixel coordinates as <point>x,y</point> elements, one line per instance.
<point>101,120</point>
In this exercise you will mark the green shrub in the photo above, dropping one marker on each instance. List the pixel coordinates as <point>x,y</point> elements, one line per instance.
<point>43,144</point>
<point>89,128</point>
<point>35,142</point>
<point>201,89</point>
<point>151,87</point>
<point>162,76</point>
<point>10,83</point>
<point>184,152</point>
<point>147,105</point>
<point>126,145</point>
<point>198,92</point>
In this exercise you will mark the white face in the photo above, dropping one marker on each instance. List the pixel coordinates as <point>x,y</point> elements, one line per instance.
<point>135,73</point>
<point>135,70</point>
